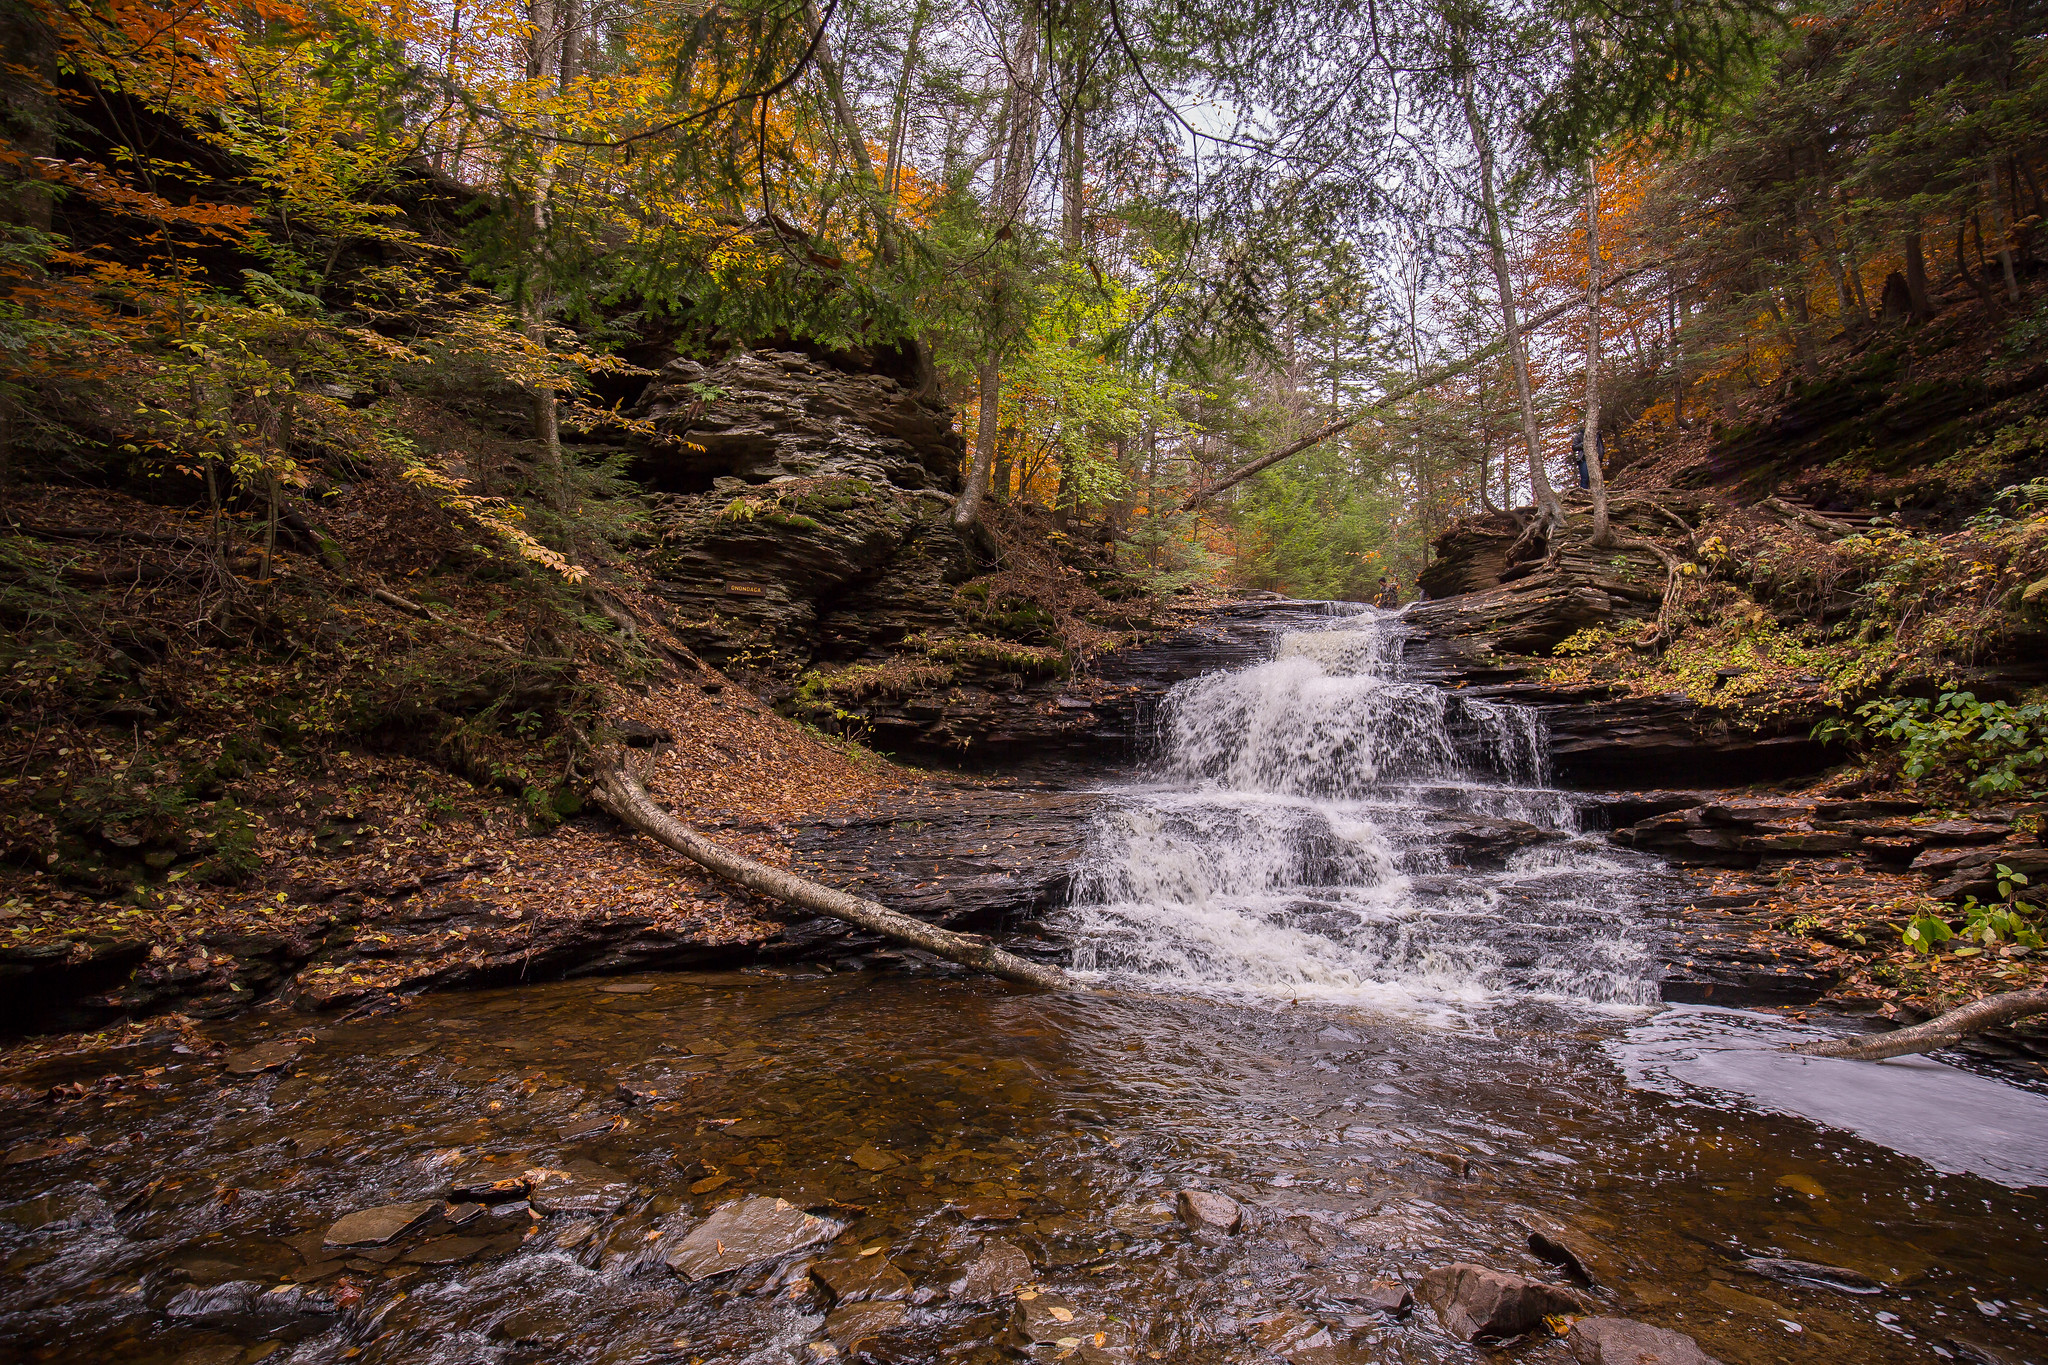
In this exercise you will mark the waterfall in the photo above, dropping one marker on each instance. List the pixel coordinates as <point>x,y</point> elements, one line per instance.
<point>1299,837</point>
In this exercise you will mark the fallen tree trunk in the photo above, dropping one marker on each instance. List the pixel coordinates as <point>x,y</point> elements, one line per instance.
<point>1426,382</point>
<point>623,794</point>
<point>1989,1012</point>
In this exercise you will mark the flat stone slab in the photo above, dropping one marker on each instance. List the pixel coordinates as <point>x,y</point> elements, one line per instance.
<point>871,1158</point>
<point>1624,1341</point>
<point>850,1325</point>
<point>580,1187</point>
<point>1041,1317</point>
<point>382,1225</point>
<point>1000,1269</point>
<point>270,1056</point>
<point>746,1231</point>
<point>863,1278</point>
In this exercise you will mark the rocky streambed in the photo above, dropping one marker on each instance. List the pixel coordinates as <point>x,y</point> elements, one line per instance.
<point>904,1165</point>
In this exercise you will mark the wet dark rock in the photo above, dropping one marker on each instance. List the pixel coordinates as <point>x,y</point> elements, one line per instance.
<point>1788,1271</point>
<point>853,1323</point>
<point>21,1154</point>
<point>1572,1251</point>
<point>1623,1341</point>
<point>871,1158</point>
<point>1482,842</point>
<point>250,1306</point>
<point>1288,1332</point>
<point>1472,1301</point>
<point>1338,1285</point>
<point>271,1056</point>
<point>533,1324</point>
<point>999,1269</point>
<point>581,1187</point>
<point>492,1182</point>
<point>383,1225</point>
<point>1041,1317</point>
<point>746,1231</point>
<point>449,1250</point>
<point>965,860</point>
<point>1205,1211</point>
<point>76,1205</point>
<point>987,1210</point>
<point>863,1277</point>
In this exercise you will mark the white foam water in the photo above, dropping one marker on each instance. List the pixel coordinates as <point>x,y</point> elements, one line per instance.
<point>1291,845</point>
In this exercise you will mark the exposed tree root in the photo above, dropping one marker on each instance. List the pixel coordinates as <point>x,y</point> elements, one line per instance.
<point>1989,1012</point>
<point>625,797</point>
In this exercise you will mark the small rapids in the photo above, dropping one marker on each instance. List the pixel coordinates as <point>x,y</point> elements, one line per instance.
<point>1316,828</point>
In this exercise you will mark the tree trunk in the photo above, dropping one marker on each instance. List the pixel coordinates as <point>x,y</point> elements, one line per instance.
<point>1602,536</point>
<point>899,117</point>
<point>1989,1012</point>
<point>623,795</point>
<point>987,378</point>
<point>1916,275</point>
<point>2012,283</point>
<point>1539,482</point>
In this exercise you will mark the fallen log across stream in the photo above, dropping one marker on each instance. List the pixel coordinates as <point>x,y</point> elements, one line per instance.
<point>627,799</point>
<point>1940,1031</point>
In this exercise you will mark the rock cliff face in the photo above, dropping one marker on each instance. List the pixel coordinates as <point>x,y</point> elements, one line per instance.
<point>1488,635</point>
<point>807,508</point>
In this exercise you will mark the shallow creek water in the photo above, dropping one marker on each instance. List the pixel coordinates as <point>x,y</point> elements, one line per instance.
<point>1363,1147</point>
<point>1390,1057</point>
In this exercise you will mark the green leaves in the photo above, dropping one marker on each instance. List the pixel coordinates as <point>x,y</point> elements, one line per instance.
<point>1923,932</point>
<point>1992,748</point>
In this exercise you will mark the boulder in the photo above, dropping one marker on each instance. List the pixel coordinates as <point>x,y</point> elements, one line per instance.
<point>1623,1341</point>
<point>1472,1301</point>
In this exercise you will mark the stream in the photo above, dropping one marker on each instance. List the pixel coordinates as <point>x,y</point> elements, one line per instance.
<point>1354,966</point>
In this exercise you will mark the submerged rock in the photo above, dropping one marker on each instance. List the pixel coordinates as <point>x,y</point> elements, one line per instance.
<point>249,1306</point>
<point>1041,1317</point>
<point>848,1326</point>
<point>1472,1301</point>
<point>1788,1271</point>
<point>1623,1341</point>
<point>999,1270</point>
<point>76,1205</point>
<point>581,1187</point>
<point>863,1278</point>
<point>271,1056</point>
<point>382,1225</point>
<point>1207,1211</point>
<point>746,1231</point>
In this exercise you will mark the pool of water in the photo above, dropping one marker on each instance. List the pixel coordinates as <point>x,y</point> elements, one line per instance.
<point>929,1117</point>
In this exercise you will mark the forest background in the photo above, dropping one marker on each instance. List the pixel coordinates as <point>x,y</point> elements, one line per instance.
<point>1139,243</point>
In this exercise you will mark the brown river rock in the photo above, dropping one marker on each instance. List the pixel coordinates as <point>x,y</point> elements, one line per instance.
<point>379,1226</point>
<point>1623,1341</point>
<point>1472,1301</point>
<point>746,1231</point>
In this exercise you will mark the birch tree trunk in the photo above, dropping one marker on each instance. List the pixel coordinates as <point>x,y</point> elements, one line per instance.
<point>1539,482</point>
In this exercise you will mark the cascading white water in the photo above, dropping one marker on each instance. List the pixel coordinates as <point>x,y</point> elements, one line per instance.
<point>1295,844</point>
